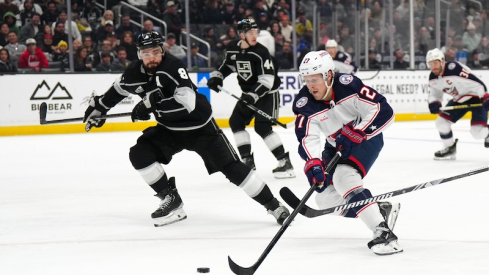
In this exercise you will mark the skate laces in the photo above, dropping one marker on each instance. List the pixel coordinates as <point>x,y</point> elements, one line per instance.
<point>278,211</point>
<point>379,230</point>
<point>166,202</point>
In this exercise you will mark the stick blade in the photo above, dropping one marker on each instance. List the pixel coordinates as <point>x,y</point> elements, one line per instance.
<point>291,199</point>
<point>239,269</point>
<point>43,110</point>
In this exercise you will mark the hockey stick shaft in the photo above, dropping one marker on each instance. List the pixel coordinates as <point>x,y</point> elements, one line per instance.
<point>258,111</point>
<point>43,112</point>
<point>456,107</point>
<point>293,201</point>
<point>251,270</point>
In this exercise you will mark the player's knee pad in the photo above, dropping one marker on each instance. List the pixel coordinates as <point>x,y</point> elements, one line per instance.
<point>444,126</point>
<point>357,195</point>
<point>346,178</point>
<point>237,123</point>
<point>236,172</point>
<point>329,198</point>
<point>479,131</point>
<point>142,155</point>
<point>263,129</point>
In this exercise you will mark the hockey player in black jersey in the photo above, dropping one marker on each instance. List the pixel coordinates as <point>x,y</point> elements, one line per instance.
<point>184,122</point>
<point>259,82</point>
<point>456,80</point>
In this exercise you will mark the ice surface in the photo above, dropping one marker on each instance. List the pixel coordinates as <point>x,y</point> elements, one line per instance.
<point>73,204</point>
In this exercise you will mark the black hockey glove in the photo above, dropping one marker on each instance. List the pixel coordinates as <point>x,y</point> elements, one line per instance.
<point>485,102</point>
<point>250,98</point>
<point>434,107</point>
<point>349,139</point>
<point>95,109</point>
<point>145,107</point>
<point>215,80</point>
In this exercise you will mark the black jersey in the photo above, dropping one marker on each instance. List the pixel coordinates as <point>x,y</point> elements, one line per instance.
<point>182,107</point>
<point>256,68</point>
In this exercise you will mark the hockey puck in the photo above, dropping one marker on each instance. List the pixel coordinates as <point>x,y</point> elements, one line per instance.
<point>203,270</point>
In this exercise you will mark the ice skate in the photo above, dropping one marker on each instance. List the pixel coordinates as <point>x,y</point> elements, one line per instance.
<point>389,211</point>
<point>385,241</point>
<point>486,142</point>
<point>171,206</point>
<point>284,169</point>
<point>280,213</point>
<point>249,160</point>
<point>449,153</point>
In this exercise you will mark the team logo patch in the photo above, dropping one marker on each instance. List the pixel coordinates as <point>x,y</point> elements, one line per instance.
<point>451,66</point>
<point>340,55</point>
<point>346,79</point>
<point>301,102</point>
<point>244,69</point>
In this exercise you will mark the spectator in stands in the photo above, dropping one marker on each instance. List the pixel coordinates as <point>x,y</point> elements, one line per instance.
<point>448,44</point>
<point>484,49</point>
<point>33,57</point>
<point>277,14</point>
<point>4,30</point>
<point>347,40</point>
<point>77,44</point>
<point>47,46</point>
<point>279,42</point>
<point>106,46</point>
<point>475,63</point>
<point>155,8</point>
<point>81,60</point>
<point>46,29</point>
<point>104,32</point>
<point>27,12</point>
<point>172,20</point>
<point>61,54</point>
<point>63,17</point>
<point>471,39</point>
<point>50,16</point>
<point>216,45</point>
<point>128,43</point>
<point>285,58</point>
<point>126,26</point>
<point>120,63</point>
<point>450,54</point>
<point>258,8</point>
<point>174,49</point>
<point>399,62</point>
<point>325,9</point>
<point>195,60</point>
<point>425,41</point>
<point>108,15</point>
<point>274,28</point>
<point>212,13</point>
<point>229,15</point>
<point>59,33</point>
<point>302,23</point>
<point>263,22</point>
<point>373,62</point>
<point>8,6</point>
<point>285,6</point>
<point>91,13</point>
<point>104,65</point>
<point>462,53</point>
<point>5,65</point>
<point>93,55</point>
<point>11,20</point>
<point>14,48</point>
<point>30,29</point>
<point>148,26</point>
<point>308,6</point>
<point>286,28</point>
<point>241,12</point>
<point>229,36</point>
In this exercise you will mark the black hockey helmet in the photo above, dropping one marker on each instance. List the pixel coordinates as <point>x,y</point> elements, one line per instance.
<point>149,40</point>
<point>246,25</point>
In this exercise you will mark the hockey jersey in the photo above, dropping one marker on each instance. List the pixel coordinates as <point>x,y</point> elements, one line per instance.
<point>182,107</point>
<point>256,68</point>
<point>352,102</point>
<point>344,64</point>
<point>457,81</point>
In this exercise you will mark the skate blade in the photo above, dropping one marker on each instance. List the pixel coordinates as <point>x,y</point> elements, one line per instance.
<point>173,217</point>
<point>284,175</point>
<point>387,249</point>
<point>452,157</point>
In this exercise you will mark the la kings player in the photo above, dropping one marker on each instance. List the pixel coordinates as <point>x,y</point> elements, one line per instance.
<point>184,122</point>
<point>259,81</point>
<point>457,81</point>
<point>342,61</point>
<point>352,116</point>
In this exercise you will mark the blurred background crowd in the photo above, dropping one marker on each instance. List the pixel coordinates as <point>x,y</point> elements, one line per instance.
<point>34,34</point>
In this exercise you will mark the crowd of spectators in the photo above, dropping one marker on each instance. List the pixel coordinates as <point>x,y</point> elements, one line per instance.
<point>34,32</point>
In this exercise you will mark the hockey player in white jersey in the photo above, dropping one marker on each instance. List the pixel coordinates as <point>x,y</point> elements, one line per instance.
<point>457,81</point>
<point>342,61</point>
<point>352,117</point>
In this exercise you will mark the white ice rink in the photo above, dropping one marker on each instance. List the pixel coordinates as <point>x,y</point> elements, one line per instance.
<point>73,204</point>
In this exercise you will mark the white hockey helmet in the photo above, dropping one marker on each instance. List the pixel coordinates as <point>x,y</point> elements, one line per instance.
<point>331,44</point>
<point>317,62</point>
<point>434,54</point>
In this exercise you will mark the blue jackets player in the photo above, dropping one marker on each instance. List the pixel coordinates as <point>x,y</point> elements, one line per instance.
<point>457,81</point>
<point>352,116</point>
<point>342,61</point>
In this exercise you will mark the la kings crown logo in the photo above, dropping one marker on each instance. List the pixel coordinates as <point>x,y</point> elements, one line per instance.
<point>244,69</point>
<point>58,92</point>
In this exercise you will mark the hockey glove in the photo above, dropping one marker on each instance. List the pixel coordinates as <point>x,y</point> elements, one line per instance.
<point>216,79</point>
<point>485,102</point>
<point>145,107</point>
<point>349,139</point>
<point>435,107</point>
<point>314,170</point>
<point>250,98</point>
<point>95,109</point>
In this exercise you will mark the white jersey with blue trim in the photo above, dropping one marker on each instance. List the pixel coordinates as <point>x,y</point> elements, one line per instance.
<point>457,81</point>
<point>352,102</point>
<point>344,64</point>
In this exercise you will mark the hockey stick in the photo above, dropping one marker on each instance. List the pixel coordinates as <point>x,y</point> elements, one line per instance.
<point>43,110</point>
<point>456,107</point>
<point>252,269</point>
<point>372,77</point>
<point>267,116</point>
<point>305,210</point>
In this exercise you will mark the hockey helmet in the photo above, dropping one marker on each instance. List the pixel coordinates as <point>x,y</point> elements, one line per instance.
<point>331,44</point>
<point>246,24</point>
<point>149,40</point>
<point>435,54</point>
<point>317,62</point>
